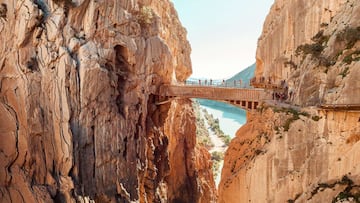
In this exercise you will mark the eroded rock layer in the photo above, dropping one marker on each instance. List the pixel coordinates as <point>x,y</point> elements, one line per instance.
<point>78,120</point>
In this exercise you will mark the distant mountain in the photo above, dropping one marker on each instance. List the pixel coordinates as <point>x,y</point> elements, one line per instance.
<point>245,75</point>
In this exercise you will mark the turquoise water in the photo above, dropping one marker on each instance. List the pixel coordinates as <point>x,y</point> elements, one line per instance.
<point>230,117</point>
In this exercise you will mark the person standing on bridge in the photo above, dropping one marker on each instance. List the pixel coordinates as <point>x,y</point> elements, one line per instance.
<point>199,82</point>
<point>291,93</point>
<point>210,82</point>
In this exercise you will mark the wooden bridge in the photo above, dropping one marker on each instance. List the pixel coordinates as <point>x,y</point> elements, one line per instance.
<point>340,107</point>
<point>245,98</point>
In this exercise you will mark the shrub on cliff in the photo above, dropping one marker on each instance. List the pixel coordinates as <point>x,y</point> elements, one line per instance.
<point>354,56</point>
<point>295,115</point>
<point>313,49</point>
<point>145,16</point>
<point>217,156</point>
<point>320,40</point>
<point>349,35</point>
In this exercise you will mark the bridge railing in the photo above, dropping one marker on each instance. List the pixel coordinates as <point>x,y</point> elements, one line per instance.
<point>267,83</point>
<point>214,93</point>
<point>217,83</point>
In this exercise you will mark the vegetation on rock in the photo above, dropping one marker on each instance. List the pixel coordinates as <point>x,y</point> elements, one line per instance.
<point>145,16</point>
<point>295,116</point>
<point>315,49</point>
<point>349,35</point>
<point>216,158</point>
<point>215,127</point>
<point>202,133</point>
<point>353,56</point>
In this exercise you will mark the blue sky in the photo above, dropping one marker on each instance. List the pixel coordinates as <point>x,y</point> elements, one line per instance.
<point>223,34</point>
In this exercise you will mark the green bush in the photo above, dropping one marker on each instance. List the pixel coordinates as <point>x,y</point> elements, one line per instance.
<point>287,124</point>
<point>354,56</point>
<point>205,142</point>
<point>145,16</point>
<point>217,156</point>
<point>349,35</point>
<point>202,133</point>
<point>215,168</point>
<point>313,49</point>
<point>345,72</point>
<point>316,118</point>
<point>320,38</point>
<point>226,139</point>
<point>295,116</point>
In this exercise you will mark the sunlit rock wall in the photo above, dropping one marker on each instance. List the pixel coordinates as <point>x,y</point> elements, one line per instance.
<point>77,118</point>
<point>322,72</point>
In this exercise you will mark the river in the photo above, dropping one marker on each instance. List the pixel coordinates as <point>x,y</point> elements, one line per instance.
<point>230,117</point>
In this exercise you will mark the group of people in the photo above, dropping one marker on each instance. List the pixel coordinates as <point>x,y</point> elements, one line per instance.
<point>282,94</point>
<point>224,83</point>
<point>261,80</point>
<point>279,96</point>
<point>286,94</point>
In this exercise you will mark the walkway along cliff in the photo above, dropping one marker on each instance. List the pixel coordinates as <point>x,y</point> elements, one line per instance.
<point>245,98</point>
<point>309,149</point>
<point>77,118</point>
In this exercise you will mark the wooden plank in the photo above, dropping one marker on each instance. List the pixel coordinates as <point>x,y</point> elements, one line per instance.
<point>210,92</point>
<point>340,106</point>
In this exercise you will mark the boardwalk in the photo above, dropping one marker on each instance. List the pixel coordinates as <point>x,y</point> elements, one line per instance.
<point>341,107</point>
<point>237,93</point>
<point>244,98</point>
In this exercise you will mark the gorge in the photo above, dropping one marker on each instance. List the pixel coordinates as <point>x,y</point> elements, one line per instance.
<point>79,120</point>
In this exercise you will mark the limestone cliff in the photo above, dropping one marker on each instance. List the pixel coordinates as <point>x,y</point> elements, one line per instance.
<point>77,115</point>
<point>311,45</point>
<point>300,152</point>
<point>290,156</point>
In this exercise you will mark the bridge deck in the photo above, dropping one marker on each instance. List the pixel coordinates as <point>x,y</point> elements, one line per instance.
<point>246,98</point>
<point>340,106</point>
<point>214,93</point>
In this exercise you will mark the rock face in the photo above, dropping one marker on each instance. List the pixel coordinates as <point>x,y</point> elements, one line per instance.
<point>314,160</point>
<point>302,154</point>
<point>77,117</point>
<point>310,44</point>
